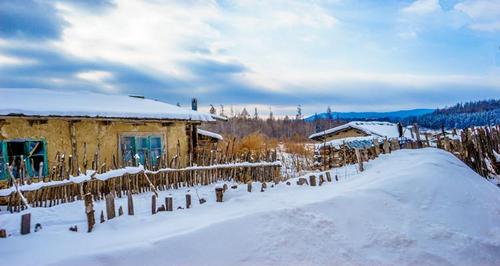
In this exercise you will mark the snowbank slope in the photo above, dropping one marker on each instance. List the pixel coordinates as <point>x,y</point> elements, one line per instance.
<point>410,207</point>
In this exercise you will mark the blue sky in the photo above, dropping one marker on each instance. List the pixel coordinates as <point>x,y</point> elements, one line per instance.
<point>351,55</point>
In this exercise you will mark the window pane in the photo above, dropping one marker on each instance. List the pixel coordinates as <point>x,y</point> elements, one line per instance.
<point>142,143</point>
<point>128,149</point>
<point>34,148</point>
<point>155,155</point>
<point>142,155</point>
<point>155,142</point>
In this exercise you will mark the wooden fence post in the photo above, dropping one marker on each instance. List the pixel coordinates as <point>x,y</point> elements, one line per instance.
<point>219,194</point>
<point>312,180</point>
<point>377,147</point>
<point>321,180</point>
<point>89,210</point>
<point>188,201</point>
<point>153,204</point>
<point>417,134</point>
<point>328,177</point>
<point>169,203</point>
<point>130,204</point>
<point>110,206</point>
<point>25,223</point>
<point>386,146</point>
<point>359,159</point>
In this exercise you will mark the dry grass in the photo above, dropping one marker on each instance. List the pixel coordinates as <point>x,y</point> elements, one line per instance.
<point>253,143</point>
<point>298,148</point>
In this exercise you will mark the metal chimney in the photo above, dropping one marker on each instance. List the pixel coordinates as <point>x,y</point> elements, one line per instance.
<point>194,104</point>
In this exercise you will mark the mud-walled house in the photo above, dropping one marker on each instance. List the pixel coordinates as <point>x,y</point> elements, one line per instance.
<point>40,128</point>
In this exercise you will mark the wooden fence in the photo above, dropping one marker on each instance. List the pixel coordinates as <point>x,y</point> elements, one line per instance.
<point>56,192</point>
<point>476,147</point>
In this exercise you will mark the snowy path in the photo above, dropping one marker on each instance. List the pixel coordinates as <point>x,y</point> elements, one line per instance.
<point>410,207</point>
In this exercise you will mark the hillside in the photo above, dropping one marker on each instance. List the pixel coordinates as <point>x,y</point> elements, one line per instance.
<point>369,115</point>
<point>461,115</point>
<point>409,207</point>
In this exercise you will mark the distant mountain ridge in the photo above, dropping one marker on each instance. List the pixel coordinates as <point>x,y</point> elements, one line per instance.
<point>371,115</point>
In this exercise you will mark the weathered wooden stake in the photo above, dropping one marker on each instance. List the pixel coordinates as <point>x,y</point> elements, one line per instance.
<point>89,210</point>
<point>377,147</point>
<point>169,203</point>
<point>110,206</point>
<point>153,204</point>
<point>120,211</point>
<point>328,177</point>
<point>102,216</point>
<point>25,223</point>
<point>188,201</point>
<point>359,159</point>
<point>130,204</point>
<point>321,180</point>
<point>312,180</point>
<point>249,186</point>
<point>219,194</point>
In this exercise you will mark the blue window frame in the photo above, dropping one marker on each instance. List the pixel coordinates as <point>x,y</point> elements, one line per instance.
<point>32,152</point>
<point>2,160</point>
<point>136,150</point>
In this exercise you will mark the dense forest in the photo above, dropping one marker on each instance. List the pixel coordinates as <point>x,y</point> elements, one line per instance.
<point>461,115</point>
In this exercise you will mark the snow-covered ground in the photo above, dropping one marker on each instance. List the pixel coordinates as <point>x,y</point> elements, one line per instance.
<point>410,207</point>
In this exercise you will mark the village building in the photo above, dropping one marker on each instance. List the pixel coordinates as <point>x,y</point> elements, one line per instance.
<point>207,138</point>
<point>40,127</point>
<point>360,133</point>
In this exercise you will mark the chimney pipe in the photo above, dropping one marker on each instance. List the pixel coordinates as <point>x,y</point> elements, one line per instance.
<point>194,104</point>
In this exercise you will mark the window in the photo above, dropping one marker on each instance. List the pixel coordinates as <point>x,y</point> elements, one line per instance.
<point>141,149</point>
<point>31,153</point>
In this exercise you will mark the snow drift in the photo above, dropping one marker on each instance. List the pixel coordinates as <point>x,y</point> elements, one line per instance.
<point>410,207</point>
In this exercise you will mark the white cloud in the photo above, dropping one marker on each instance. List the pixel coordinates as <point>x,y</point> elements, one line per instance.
<point>422,7</point>
<point>10,60</point>
<point>160,36</point>
<point>97,75</point>
<point>145,34</point>
<point>484,14</point>
<point>102,78</point>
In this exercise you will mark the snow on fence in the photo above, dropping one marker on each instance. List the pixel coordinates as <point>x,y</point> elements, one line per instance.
<point>133,180</point>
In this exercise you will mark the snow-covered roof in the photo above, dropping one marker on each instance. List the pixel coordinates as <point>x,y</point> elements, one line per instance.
<point>380,129</point>
<point>41,102</point>
<point>350,142</point>
<point>209,134</point>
